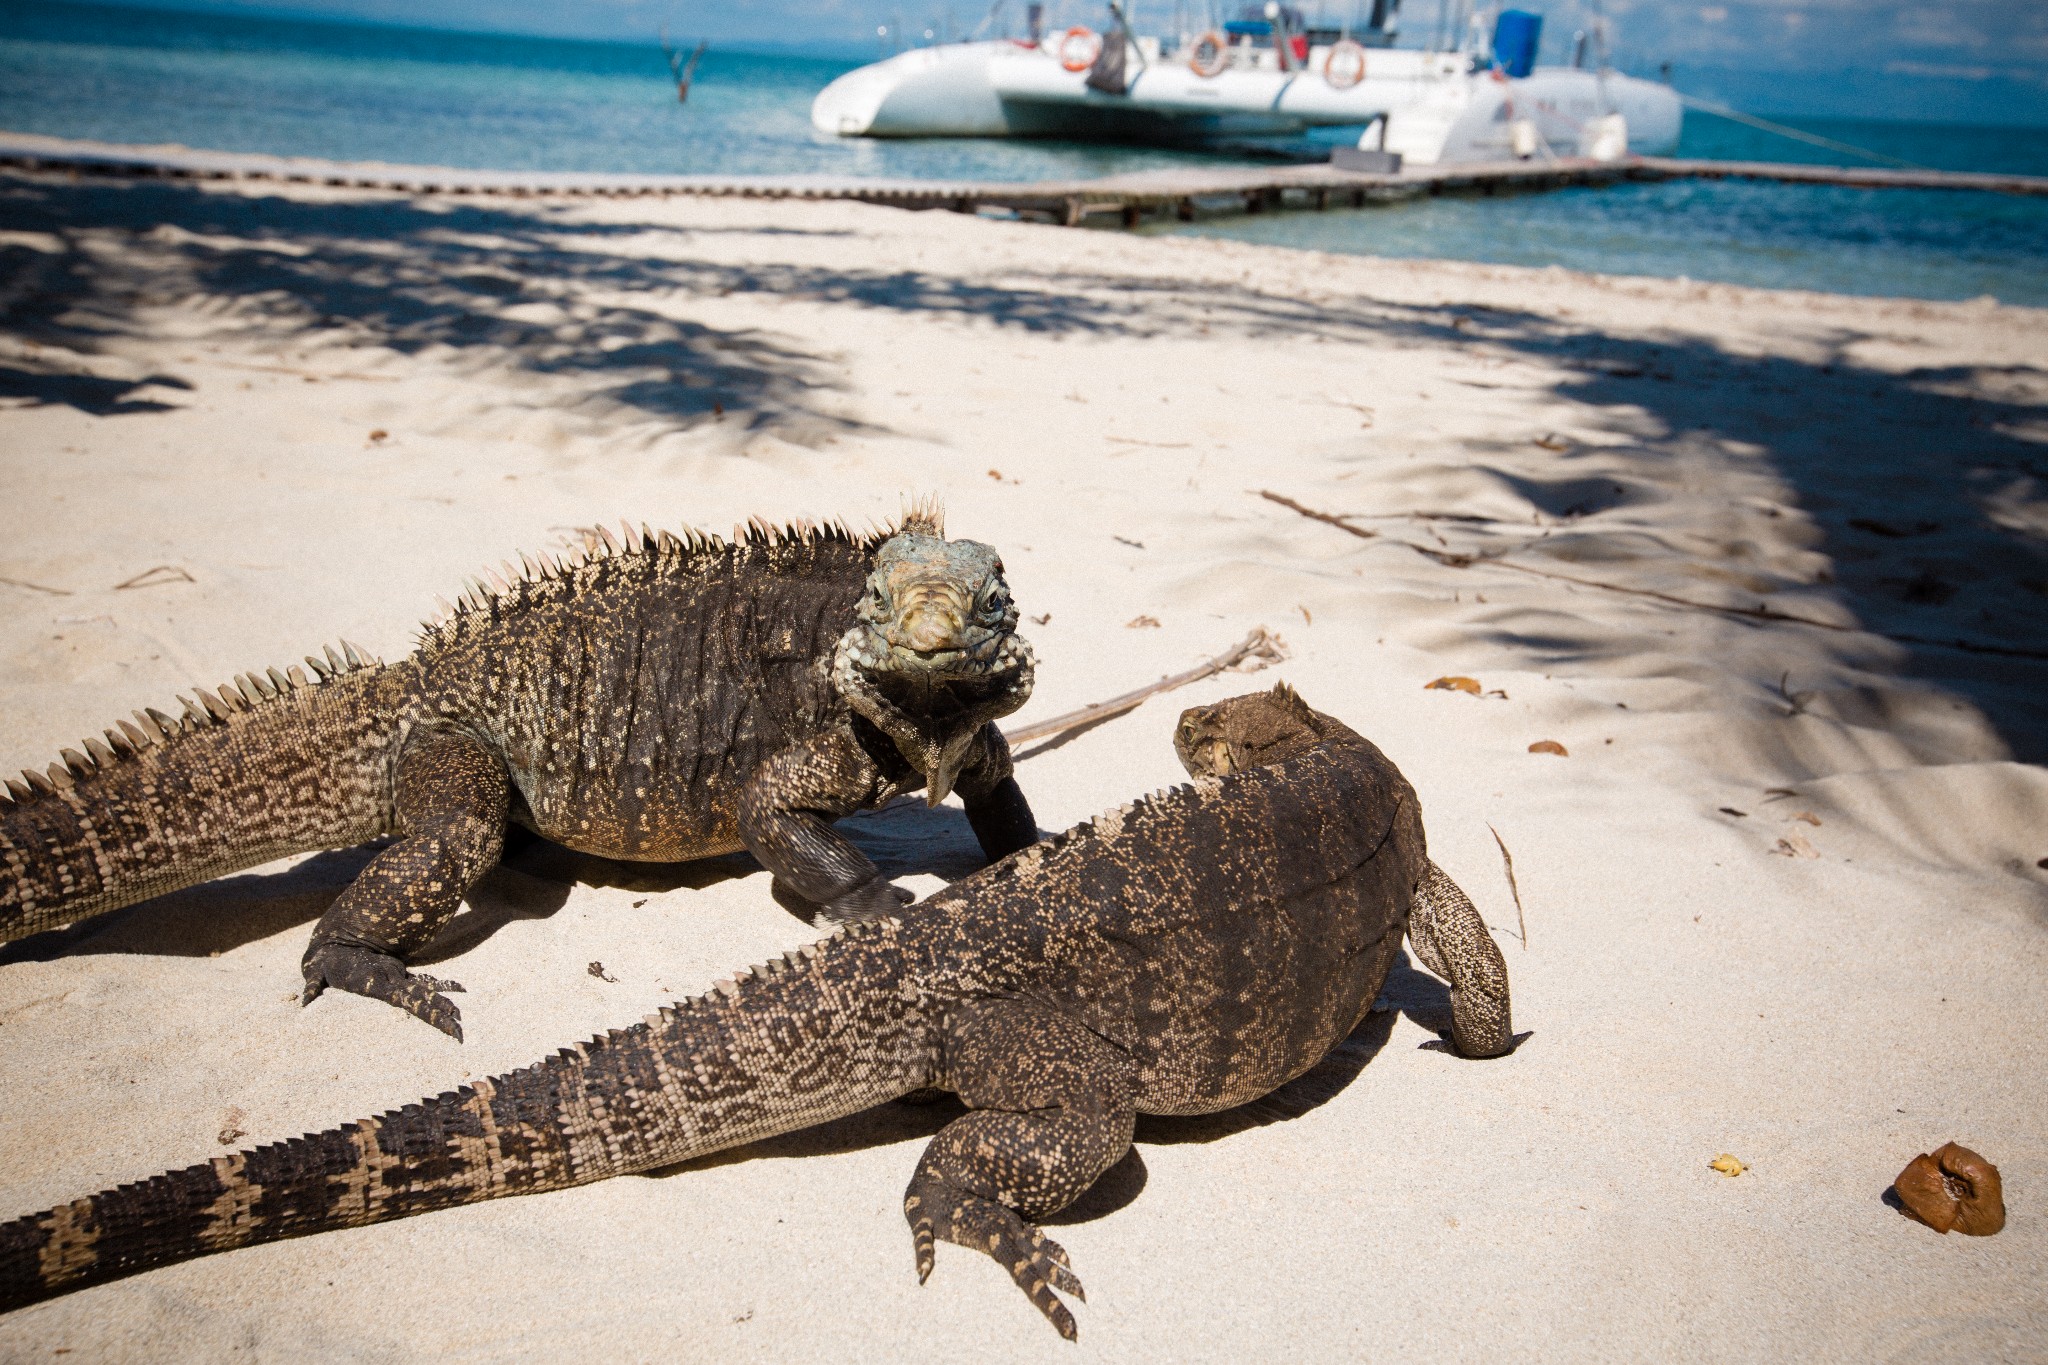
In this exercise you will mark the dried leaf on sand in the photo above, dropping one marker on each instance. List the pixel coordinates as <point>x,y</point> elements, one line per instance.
<point>1952,1189</point>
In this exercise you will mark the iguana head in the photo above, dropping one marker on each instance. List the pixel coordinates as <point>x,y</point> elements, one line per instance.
<point>1246,732</point>
<point>934,655</point>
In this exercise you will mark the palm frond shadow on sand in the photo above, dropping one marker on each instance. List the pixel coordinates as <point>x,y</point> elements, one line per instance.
<point>1924,492</point>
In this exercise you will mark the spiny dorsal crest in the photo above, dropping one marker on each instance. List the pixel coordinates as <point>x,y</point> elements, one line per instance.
<point>925,516</point>
<point>734,987</point>
<point>204,709</point>
<point>1104,825</point>
<point>601,555</point>
<point>1287,697</point>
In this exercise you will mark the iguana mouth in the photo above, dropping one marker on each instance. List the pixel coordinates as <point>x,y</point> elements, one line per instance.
<point>965,661</point>
<point>954,701</point>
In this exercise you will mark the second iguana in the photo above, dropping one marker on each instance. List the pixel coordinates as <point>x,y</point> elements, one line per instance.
<point>652,698</point>
<point>1180,955</point>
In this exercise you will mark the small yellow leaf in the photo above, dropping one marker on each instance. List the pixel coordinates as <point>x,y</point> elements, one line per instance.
<point>1142,623</point>
<point>1549,746</point>
<point>1454,683</point>
<point>1808,816</point>
<point>1727,1165</point>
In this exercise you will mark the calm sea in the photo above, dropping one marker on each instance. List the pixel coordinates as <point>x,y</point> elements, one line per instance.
<point>418,96</point>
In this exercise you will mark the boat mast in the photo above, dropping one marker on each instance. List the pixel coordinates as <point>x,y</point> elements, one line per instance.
<point>1600,55</point>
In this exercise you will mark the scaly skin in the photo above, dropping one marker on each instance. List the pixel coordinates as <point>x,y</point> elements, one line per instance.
<point>1180,955</point>
<point>663,700</point>
<point>1446,931</point>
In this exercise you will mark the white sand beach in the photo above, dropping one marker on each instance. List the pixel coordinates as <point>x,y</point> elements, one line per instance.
<point>1785,896</point>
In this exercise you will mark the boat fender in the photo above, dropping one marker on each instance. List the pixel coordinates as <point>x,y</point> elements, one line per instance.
<point>1344,65</point>
<point>1604,138</point>
<point>1079,48</point>
<point>1209,55</point>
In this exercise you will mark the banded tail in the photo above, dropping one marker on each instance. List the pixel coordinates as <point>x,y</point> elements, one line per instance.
<point>276,764</point>
<point>817,1035</point>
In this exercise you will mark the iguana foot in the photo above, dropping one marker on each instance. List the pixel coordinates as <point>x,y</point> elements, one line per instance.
<point>1038,1264</point>
<point>872,899</point>
<point>364,971</point>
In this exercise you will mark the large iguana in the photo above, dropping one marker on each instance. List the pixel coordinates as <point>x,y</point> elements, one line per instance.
<point>658,699</point>
<point>1183,954</point>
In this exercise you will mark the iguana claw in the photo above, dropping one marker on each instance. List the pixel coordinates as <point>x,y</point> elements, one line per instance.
<point>872,899</point>
<point>380,976</point>
<point>1038,1264</point>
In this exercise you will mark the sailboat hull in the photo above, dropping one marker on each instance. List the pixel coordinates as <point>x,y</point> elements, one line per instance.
<point>1436,108</point>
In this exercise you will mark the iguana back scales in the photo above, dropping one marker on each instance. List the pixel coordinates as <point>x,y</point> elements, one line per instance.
<point>1180,955</point>
<point>655,698</point>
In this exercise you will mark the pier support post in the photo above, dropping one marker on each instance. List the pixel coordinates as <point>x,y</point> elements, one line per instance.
<point>1075,211</point>
<point>1185,210</point>
<point>1131,214</point>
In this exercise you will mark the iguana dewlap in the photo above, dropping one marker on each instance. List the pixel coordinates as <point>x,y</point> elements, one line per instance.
<point>1181,955</point>
<point>659,699</point>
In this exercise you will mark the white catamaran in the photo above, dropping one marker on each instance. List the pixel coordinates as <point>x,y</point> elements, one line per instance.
<point>1481,98</point>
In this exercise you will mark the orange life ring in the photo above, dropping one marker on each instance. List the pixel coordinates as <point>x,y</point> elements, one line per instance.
<point>1089,39</point>
<point>1344,65</point>
<point>1209,55</point>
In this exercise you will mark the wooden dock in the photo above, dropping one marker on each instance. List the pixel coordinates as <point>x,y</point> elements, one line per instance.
<point>1181,192</point>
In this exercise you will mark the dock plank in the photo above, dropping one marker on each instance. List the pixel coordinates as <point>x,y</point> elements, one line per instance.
<point>1178,190</point>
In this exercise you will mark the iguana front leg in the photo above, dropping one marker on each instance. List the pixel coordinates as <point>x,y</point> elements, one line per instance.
<point>785,816</point>
<point>1447,933</point>
<point>996,808</point>
<point>450,803</point>
<point>1053,1109</point>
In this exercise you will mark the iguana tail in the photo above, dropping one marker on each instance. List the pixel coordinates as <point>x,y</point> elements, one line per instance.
<point>817,1035</point>
<point>276,764</point>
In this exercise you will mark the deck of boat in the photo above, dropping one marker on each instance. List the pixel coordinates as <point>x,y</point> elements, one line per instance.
<point>1182,192</point>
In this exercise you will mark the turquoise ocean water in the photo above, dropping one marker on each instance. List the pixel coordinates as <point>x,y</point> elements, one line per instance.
<point>419,96</point>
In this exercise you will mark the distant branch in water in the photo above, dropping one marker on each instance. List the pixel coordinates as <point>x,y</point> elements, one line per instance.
<point>683,70</point>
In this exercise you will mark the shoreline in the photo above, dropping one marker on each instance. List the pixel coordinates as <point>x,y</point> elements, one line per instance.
<point>1130,195</point>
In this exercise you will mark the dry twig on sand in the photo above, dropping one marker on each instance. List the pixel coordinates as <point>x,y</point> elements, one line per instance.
<point>35,587</point>
<point>150,578</point>
<point>1760,612</point>
<point>1507,860</point>
<point>1262,646</point>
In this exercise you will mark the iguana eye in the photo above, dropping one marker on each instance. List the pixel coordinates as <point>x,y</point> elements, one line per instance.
<point>994,606</point>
